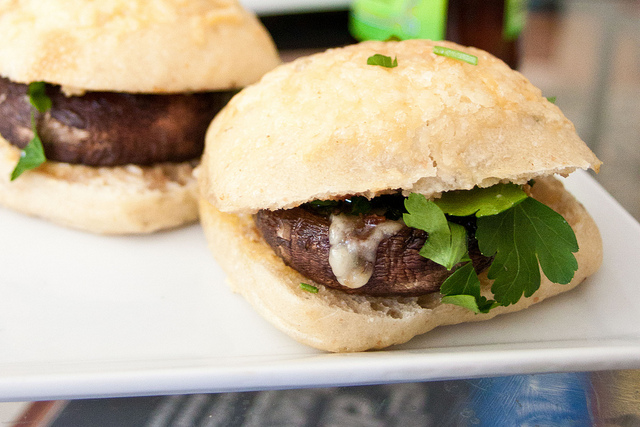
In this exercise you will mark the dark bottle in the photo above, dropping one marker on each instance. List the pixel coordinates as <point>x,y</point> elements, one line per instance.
<point>492,25</point>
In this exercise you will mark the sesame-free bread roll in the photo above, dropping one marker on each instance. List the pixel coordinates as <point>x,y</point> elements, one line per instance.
<point>106,200</point>
<point>134,46</point>
<point>331,127</point>
<point>329,124</point>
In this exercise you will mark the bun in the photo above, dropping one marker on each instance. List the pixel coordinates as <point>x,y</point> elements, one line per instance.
<point>134,46</point>
<point>329,125</point>
<point>109,200</point>
<point>334,321</point>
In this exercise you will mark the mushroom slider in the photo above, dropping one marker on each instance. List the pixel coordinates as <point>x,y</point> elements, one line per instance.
<point>104,105</point>
<point>364,195</point>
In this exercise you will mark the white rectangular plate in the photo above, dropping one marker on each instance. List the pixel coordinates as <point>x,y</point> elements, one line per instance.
<point>95,316</point>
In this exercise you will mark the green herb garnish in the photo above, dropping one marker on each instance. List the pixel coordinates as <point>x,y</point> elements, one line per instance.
<point>308,288</point>
<point>354,205</point>
<point>38,96</point>
<point>325,203</point>
<point>359,205</point>
<point>447,242</point>
<point>524,238</point>
<point>455,54</point>
<point>32,155</point>
<point>522,234</point>
<point>481,201</point>
<point>551,99</point>
<point>463,288</point>
<point>383,61</point>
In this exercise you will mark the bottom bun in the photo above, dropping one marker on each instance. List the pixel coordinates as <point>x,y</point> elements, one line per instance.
<point>334,321</point>
<point>107,200</point>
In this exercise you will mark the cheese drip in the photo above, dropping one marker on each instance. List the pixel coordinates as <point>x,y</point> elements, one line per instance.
<point>352,251</point>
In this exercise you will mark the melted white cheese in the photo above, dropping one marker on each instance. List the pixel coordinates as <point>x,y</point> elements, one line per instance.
<point>352,256</point>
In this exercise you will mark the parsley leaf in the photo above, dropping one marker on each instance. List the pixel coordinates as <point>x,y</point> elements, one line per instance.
<point>481,201</point>
<point>383,61</point>
<point>447,242</point>
<point>32,155</point>
<point>522,234</point>
<point>359,205</point>
<point>463,288</point>
<point>455,54</point>
<point>524,238</point>
<point>38,96</point>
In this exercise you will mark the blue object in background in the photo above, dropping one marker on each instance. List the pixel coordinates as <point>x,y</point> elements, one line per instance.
<point>527,400</point>
<point>521,400</point>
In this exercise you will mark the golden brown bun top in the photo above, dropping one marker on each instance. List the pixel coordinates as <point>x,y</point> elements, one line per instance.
<point>330,125</point>
<point>152,46</point>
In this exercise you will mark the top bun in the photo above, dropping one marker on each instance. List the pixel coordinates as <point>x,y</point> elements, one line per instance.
<point>329,125</point>
<point>137,46</point>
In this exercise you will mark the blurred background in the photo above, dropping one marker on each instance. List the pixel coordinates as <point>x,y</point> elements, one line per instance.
<point>586,54</point>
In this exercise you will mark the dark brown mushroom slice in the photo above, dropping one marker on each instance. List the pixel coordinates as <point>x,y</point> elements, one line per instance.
<point>300,236</point>
<point>110,129</point>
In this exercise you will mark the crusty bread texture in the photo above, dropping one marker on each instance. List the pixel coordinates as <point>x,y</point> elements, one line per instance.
<point>334,321</point>
<point>133,46</point>
<point>329,125</point>
<point>106,200</point>
<point>139,46</point>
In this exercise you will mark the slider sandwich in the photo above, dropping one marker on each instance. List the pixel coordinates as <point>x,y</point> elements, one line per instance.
<point>104,105</point>
<point>365,195</point>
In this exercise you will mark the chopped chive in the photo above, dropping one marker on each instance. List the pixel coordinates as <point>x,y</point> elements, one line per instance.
<point>383,61</point>
<point>308,288</point>
<point>551,99</point>
<point>455,54</point>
